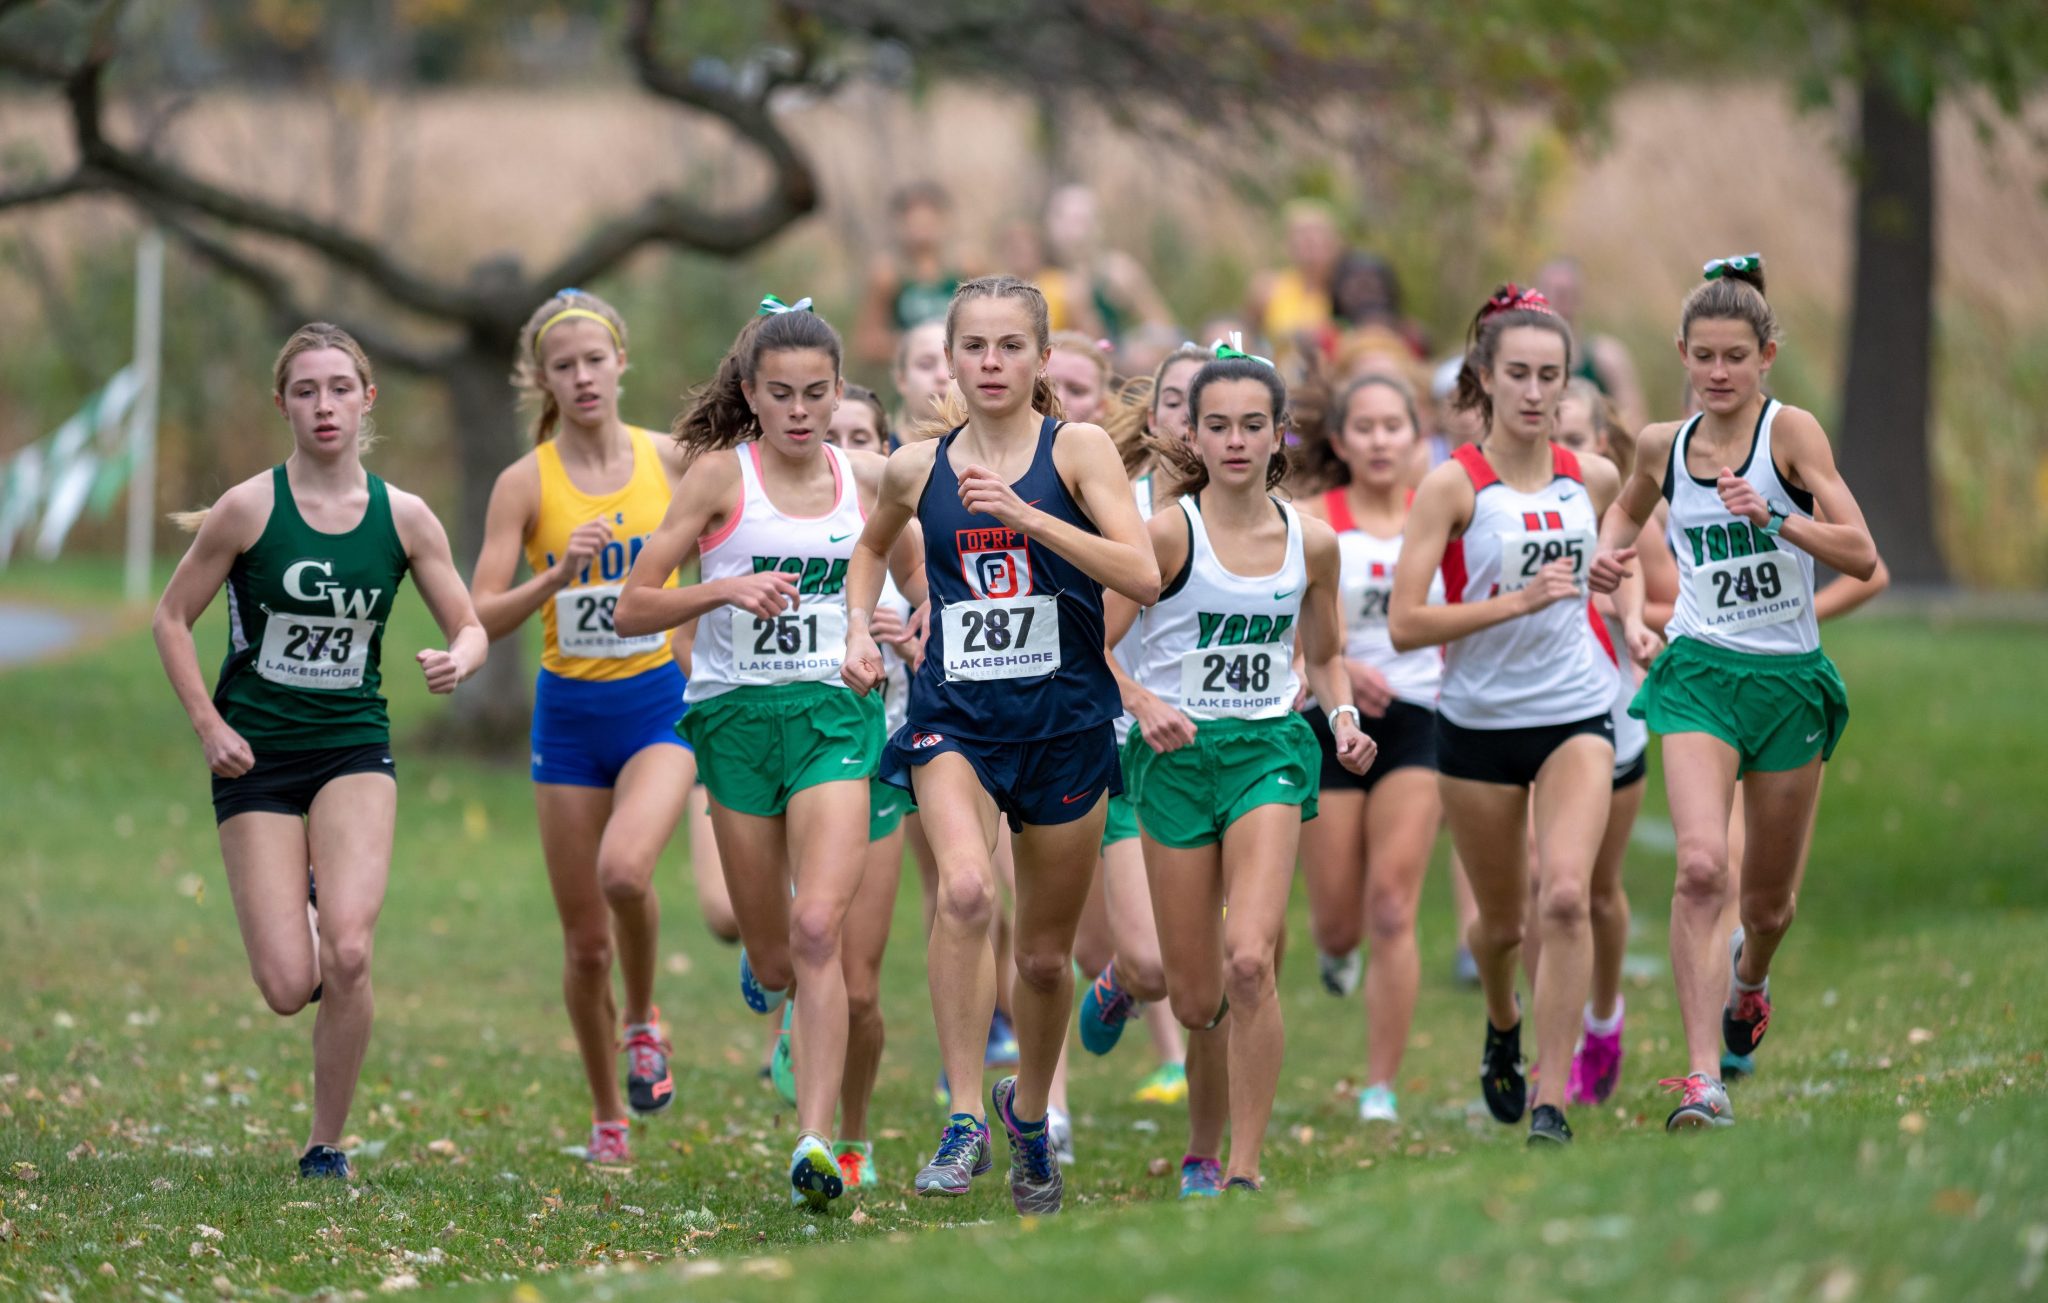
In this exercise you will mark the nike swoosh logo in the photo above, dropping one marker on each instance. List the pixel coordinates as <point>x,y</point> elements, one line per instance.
<point>1078,796</point>
<point>1281,597</point>
<point>850,760</point>
<point>841,538</point>
<point>1289,782</point>
<point>1815,734</point>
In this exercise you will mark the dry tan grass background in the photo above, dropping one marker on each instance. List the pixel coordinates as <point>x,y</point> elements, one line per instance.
<point>1686,173</point>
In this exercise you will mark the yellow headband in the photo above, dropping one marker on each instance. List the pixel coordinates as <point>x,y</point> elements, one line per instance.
<point>564,315</point>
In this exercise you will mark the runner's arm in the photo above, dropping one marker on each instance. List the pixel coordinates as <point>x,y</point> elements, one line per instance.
<point>515,504</point>
<point>433,569</point>
<point>710,491</point>
<point>1443,503</point>
<point>1845,594</point>
<point>1837,536</point>
<point>1322,646</point>
<point>230,528</point>
<point>895,508</point>
<point>1119,556</point>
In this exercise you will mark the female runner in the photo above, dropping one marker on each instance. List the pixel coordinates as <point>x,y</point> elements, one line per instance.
<point>1523,716</point>
<point>609,772</point>
<point>785,750</point>
<point>311,553</point>
<point>1025,519</point>
<point>1743,694</point>
<point>1365,856</point>
<point>1223,771</point>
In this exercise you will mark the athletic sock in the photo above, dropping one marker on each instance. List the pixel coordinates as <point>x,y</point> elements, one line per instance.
<point>821,1139</point>
<point>1742,986</point>
<point>967,1119</point>
<point>1606,1026</point>
<point>635,1029</point>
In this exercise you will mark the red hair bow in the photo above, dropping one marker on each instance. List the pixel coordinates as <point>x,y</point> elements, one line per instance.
<point>1512,298</point>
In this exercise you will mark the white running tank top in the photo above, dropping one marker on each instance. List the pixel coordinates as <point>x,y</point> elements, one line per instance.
<point>1220,645</point>
<point>1127,651</point>
<point>1367,580</point>
<point>806,644</point>
<point>1738,587</point>
<point>1631,735</point>
<point>895,670</point>
<point>1534,670</point>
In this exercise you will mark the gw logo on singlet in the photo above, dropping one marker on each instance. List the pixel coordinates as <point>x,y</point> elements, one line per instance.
<point>816,575</point>
<point>349,603</point>
<point>1719,542</point>
<point>1218,630</point>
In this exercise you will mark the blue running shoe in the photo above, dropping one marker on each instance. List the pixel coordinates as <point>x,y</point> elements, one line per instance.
<point>1036,1187</point>
<point>1735,1066</point>
<point>782,1066</point>
<point>964,1153</point>
<point>1200,1178</point>
<point>1002,1042</point>
<point>758,997</point>
<point>1104,1011</point>
<point>323,1161</point>
<point>1241,1185</point>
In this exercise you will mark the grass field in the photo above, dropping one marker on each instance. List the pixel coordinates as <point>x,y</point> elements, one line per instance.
<point>151,1108</point>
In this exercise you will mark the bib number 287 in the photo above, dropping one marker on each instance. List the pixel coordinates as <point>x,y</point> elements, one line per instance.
<point>998,638</point>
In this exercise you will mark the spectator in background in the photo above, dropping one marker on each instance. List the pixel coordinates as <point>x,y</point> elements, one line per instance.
<point>1101,292</point>
<point>1602,359</point>
<point>914,282</point>
<point>1291,306</point>
<point>1365,292</point>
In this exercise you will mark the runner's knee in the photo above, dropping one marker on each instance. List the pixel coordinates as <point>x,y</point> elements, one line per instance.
<point>1702,873</point>
<point>967,901</point>
<point>1248,976</point>
<point>1042,969</point>
<point>813,934</point>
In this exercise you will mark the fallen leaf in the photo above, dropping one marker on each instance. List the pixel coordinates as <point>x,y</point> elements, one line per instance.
<point>107,1269</point>
<point>404,1280</point>
<point>444,1147</point>
<point>1839,1285</point>
<point>6,1230</point>
<point>858,1218</point>
<point>1158,1167</point>
<point>25,1172</point>
<point>161,1185</point>
<point>201,1249</point>
<point>1913,1123</point>
<point>83,1149</point>
<point>1956,1202</point>
<point>210,1232</point>
<point>1919,1036</point>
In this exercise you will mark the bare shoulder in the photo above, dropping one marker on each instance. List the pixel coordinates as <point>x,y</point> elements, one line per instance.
<point>1602,476</point>
<point>674,459</point>
<point>1798,424</point>
<point>521,480</point>
<point>909,467</point>
<point>868,468</point>
<point>238,516</point>
<point>1656,439</point>
<point>1318,541</point>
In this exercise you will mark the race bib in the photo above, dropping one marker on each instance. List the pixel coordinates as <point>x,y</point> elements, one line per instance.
<point>1525,552</point>
<point>1244,682</point>
<point>1001,638</point>
<point>1747,592</point>
<point>315,651</point>
<point>806,645</point>
<point>1372,603</point>
<point>583,625</point>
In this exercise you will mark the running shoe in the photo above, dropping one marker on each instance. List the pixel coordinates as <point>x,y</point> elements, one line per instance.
<point>323,1162</point>
<point>1377,1104</point>
<point>1240,1185</point>
<point>1104,1011</point>
<point>1747,1015</point>
<point>1705,1103</point>
<point>1596,1066</point>
<point>650,1087</point>
<point>1734,1067</point>
<point>758,997</point>
<point>1002,1042</point>
<point>1548,1127</point>
<point>1061,1128</point>
<point>942,1092</point>
<point>610,1144</point>
<point>1464,968</point>
<point>964,1153</point>
<point>1168,1084</point>
<point>782,1063</point>
<point>1200,1178</point>
<point>1341,974</point>
<point>1035,1184</point>
<point>856,1164</point>
<point>1500,1074</point>
<point>814,1179</point>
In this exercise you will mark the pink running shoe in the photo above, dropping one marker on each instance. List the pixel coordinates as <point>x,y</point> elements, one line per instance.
<point>610,1144</point>
<point>1596,1067</point>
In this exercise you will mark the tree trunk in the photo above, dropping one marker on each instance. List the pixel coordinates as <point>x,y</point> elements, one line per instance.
<point>1885,404</point>
<point>490,712</point>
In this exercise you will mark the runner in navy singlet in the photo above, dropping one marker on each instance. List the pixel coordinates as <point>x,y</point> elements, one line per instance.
<point>1013,711</point>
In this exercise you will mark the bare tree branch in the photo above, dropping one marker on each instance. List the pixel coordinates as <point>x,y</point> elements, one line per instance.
<point>80,182</point>
<point>286,311</point>
<point>671,218</point>
<point>153,182</point>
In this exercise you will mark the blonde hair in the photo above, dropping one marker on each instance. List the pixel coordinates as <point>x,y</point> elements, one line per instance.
<point>1123,416</point>
<point>953,411</point>
<point>309,338</point>
<point>526,377</point>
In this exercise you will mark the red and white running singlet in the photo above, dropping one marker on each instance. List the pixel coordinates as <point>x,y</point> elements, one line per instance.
<point>1546,668</point>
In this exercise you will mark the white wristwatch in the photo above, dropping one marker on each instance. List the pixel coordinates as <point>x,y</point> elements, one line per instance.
<point>1345,710</point>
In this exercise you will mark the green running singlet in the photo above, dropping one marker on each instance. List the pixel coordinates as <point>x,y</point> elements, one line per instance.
<point>306,613</point>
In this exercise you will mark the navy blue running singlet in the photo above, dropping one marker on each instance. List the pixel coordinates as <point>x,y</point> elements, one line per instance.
<point>1015,652</point>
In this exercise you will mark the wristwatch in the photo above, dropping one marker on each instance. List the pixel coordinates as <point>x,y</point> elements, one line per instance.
<point>1345,710</point>
<point>1777,521</point>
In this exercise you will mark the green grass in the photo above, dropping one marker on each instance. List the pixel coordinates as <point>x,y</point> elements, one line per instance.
<point>1891,1148</point>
